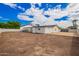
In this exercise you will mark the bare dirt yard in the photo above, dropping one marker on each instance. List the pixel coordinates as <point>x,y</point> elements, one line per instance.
<point>66,33</point>
<point>28,44</point>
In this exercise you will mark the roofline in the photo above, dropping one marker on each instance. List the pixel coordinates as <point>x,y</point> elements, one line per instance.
<point>46,26</point>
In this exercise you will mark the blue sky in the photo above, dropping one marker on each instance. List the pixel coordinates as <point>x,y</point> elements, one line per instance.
<point>10,12</point>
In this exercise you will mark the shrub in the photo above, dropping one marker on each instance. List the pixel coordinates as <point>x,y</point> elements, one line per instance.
<point>10,25</point>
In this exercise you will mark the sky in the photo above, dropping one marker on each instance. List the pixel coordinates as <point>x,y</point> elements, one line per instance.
<point>60,14</point>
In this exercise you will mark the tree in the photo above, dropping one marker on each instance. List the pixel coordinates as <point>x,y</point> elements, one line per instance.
<point>10,25</point>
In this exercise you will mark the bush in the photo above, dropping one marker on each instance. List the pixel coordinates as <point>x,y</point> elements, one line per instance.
<point>10,25</point>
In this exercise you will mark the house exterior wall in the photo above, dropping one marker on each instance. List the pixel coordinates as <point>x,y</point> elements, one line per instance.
<point>38,30</point>
<point>52,29</point>
<point>72,30</point>
<point>45,29</point>
<point>78,29</point>
<point>55,29</point>
<point>27,29</point>
<point>48,30</point>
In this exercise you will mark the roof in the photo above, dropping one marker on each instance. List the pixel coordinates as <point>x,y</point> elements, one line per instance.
<point>27,26</point>
<point>48,26</point>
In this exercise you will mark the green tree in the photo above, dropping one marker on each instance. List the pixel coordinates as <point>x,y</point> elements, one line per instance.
<point>10,25</point>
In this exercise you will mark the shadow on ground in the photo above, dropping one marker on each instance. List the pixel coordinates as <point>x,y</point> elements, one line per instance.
<point>75,46</point>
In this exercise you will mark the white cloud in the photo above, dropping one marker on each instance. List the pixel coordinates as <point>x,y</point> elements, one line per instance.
<point>39,4</point>
<point>13,5</point>
<point>65,24</point>
<point>39,17</point>
<point>72,8</point>
<point>23,9</point>
<point>55,13</point>
<point>24,17</point>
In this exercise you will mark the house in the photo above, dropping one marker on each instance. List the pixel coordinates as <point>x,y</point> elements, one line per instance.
<point>45,29</point>
<point>75,26</point>
<point>27,28</point>
<point>64,30</point>
<point>72,29</point>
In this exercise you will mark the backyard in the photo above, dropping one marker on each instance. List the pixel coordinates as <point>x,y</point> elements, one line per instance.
<point>28,44</point>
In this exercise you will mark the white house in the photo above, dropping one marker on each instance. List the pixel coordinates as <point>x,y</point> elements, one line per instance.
<point>27,28</point>
<point>45,29</point>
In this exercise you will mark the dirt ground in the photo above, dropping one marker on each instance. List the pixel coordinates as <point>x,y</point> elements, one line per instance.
<point>65,34</point>
<point>28,44</point>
